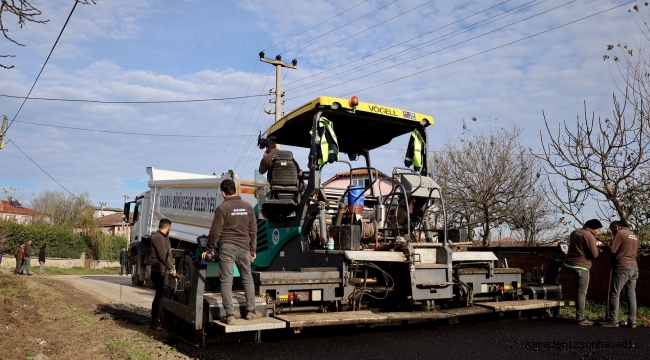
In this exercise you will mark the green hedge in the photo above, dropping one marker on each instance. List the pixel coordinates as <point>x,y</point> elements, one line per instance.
<point>115,245</point>
<point>61,241</point>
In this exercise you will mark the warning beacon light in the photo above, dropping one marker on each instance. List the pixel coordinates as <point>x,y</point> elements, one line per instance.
<point>354,101</point>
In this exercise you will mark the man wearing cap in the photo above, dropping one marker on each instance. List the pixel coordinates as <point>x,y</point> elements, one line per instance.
<point>625,273</point>
<point>582,248</point>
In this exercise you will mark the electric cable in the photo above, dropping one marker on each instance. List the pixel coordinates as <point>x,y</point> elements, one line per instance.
<point>340,27</point>
<point>428,43</point>
<point>360,32</point>
<point>491,49</point>
<point>43,67</point>
<point>317,25</point>
<point>401,43</point>
<point>130,133</point>
<point>238,163</point>
<point>135,102</point>
<point>450,46</point>
<point>234,125</point>
<point>38,166</point>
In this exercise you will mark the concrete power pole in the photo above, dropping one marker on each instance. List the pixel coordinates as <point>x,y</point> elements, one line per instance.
<point>3,128</point>
<point>124,227</point>
<point>279,64</point>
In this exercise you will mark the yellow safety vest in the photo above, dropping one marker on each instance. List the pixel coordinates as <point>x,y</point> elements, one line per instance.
<point>328,154</point>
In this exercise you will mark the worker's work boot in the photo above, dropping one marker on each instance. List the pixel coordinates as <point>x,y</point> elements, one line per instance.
<point>585,322</point>
<point>156,326</point>
<point>230,319</point>
<point>631,326</point>
<point>252,315</point>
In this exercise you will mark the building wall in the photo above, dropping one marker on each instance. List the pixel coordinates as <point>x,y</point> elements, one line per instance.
<point>19,218</point>
<point>343,182</point>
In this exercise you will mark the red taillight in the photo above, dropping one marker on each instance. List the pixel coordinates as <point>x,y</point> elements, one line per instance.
<point>354,101</point>
<point>502,288</point>
<point>290,297</point>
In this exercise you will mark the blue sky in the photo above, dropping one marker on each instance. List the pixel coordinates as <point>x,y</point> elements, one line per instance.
<point>190,49</point>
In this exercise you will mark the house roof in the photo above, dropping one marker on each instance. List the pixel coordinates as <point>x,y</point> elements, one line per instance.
<point>354,172</point>
<point>8,208</point>
<point>112,219</point>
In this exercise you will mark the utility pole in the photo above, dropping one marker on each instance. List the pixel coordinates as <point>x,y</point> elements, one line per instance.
<point>125,219</point>
<point>3,128</point>
<point>279,64</point>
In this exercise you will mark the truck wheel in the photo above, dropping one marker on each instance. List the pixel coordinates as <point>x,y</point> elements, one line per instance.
<point>135,274</point>
<point>147,277</point>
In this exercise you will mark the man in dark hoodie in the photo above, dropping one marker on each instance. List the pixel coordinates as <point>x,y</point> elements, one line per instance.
<point>582,248</point>
<point>161,260</point>
<point>235,227</point>
<point>41,260</point>
<point>625,273</point>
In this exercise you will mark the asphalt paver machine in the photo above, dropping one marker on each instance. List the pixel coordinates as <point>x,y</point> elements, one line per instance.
<point>368,253</point>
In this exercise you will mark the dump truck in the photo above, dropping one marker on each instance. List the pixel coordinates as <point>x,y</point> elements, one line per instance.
<point>359,255</point>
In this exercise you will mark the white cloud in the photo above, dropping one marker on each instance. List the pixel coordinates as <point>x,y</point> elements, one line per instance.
<point>555,72</point>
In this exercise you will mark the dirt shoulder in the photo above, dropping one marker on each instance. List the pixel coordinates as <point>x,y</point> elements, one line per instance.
<point>43,317</point>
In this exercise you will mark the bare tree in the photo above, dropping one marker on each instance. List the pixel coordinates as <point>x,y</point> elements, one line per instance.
<point>25,13</point>
<point>536,220</point>
<point>59,208</point>
<point>484,178</point>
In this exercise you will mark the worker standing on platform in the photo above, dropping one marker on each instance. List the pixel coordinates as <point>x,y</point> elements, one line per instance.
<point>582,248</point>
<point>161,260</point>
<point>235,227</point>
<point>625,273</point>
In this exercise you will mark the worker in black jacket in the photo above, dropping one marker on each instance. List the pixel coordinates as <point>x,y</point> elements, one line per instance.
<point>124,261</point>
<point>235,227</point>
<point>41,260</point>
<point>161,260</point>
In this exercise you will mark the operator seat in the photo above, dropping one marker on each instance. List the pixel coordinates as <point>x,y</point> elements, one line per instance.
<point>285,188</point>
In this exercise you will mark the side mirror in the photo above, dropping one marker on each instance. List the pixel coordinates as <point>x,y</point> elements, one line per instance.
<point>127,211</point>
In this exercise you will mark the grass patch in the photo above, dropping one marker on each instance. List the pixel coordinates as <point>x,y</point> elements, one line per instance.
<point>596,311</point>
<point>133,351</point>
<point>9,292</point>
<point>81,271</point>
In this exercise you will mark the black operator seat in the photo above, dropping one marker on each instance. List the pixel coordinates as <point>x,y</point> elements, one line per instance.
<point>285,188</point>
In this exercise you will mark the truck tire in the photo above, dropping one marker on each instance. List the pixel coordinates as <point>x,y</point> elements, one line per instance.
<point>147,278</point>
<point>135,274</point>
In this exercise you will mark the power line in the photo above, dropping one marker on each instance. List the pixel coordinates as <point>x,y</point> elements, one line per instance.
<point>43,170</point>
<point>247,145</point>
<point>130,133</point>
<point>234,125</point>
<point>401,43</point>
<point>423,45</point>
<point>439,50</point>
<point>136,102</point>
<point>489,50</point>
<point>340,27</point>
<point>43,67</point>
<point>360,32</point>
<point>317,25</point>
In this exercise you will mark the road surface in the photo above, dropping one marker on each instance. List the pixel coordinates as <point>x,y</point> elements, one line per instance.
<point>110,288</point>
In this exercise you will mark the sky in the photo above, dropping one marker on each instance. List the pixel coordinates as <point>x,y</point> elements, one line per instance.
<point>452,60</point>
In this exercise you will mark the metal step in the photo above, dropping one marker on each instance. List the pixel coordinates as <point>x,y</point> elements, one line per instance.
<point>241,325</point>
<point>358,317</point>
<point>523,305</point>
